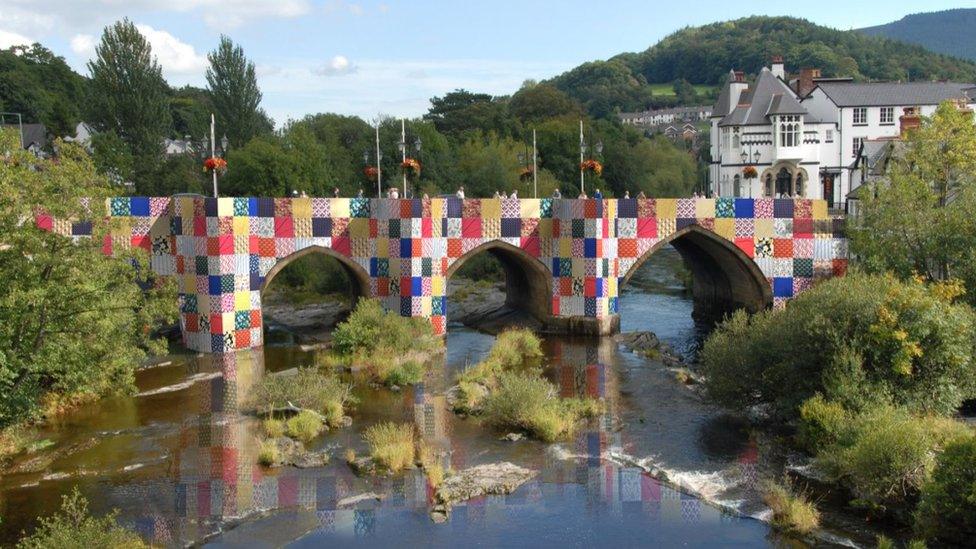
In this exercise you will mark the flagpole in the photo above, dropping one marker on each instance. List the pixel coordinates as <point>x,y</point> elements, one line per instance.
<point>379,169</point>
<point>582,190</point>
<point>213,151</point>
<point>535,169</point>
<point>403,152</point>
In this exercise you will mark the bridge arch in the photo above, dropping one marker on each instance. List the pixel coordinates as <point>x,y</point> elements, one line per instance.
<point>724,278</point>
<point>528,281</point>
<point>358,277</point>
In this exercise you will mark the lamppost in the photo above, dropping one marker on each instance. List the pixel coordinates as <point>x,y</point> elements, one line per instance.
<point>402,145</point>
<point>379,157</point>
<point>745,156</point>
<point>597,147</point>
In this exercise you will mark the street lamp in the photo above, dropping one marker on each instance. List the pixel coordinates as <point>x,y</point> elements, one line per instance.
<point>223,144</point>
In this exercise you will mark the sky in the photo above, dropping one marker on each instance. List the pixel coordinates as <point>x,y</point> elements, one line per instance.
<point>388,57</point>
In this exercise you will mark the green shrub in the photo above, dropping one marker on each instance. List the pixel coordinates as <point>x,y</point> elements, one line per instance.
<point>405,373</point>
<point>886,455</point>
<point>268,453</point>
<point>391,445</point>
<point>859,340</point>
<point>792,512</point>
<point>947,511</point>
<point>307,389</point>
<point>513,349</point>
<point>821,422</point>
<point>527,402</point>
<point>273,428</point>
<point>304,426</point>
<point>73,527</point>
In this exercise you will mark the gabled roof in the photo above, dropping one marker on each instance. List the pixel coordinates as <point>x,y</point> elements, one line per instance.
<point>33,134</point>
<point>770,96</point>
<point>882,94</point>
<point>724,104</point>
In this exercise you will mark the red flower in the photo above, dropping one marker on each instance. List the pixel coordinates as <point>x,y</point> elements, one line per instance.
<point>749,172</point>
<point>215,163</point>
<point>371,172</point>
<point>592,166</point>
<point>411,166</point>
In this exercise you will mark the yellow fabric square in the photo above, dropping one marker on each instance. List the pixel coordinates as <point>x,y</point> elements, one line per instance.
<point>425,306</point>
<point>705,208</point>
<point>227,320</point>
<point>225,206</point>
<point>190,284</point>
<point>530,208</point>
<point>121,227</point>
<point>339,207</point>
<point>763,228</point>
<point>301,207</point>
<point>383,248</point>
<point>437,285</point>
<point>667,208</point>
<point>611,209</point>
<point>437,208</point>
<point>565,247</point>
<point>725,227</point>
<point>611,283</point>
<point>242,225</point>
<point>242,301</point>
<point>820,209</point>
<point>359,227</point>
<point>491,208</point>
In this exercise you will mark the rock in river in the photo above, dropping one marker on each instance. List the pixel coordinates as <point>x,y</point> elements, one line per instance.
<point>488,479</point>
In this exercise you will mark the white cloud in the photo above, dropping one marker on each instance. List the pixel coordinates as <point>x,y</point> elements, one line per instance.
<point>83,45</point>
<point>175,56</point>
<point>338,65</point>
<point>8,39</point>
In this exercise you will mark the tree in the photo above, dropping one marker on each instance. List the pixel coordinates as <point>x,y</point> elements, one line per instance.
<point>489,164</point>
<point>42,88</point>
<point>461,113</point>
<point>936,175</point>
<point>72,321</point>
<point>129,94</point>
<point>234,91</point>
<point>262,167</point>
<point>536,102</point>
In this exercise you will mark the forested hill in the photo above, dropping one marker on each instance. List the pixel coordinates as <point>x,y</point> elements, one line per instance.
<point>705,54</point>
<point>949,32</point>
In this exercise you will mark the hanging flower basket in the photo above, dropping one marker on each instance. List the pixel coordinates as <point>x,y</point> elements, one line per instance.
<point>215,164</point>
<point>592,166</point>
<point>526,174</point>
<point>371,172</point>
<point>412,167</point>
<point>749,172</point>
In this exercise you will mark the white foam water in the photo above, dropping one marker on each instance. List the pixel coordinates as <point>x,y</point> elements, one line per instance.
<point>189,382</point>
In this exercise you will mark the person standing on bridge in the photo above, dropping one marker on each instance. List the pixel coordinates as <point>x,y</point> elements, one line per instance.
<point>556,193</point>
<point>598,195</point>
<point>394,193</point>
<point>641,195</point>
<point>514,194</point>
<point>626,195</point>
<point>359,194</point>
<point>460,192</point>
<point>335,192</point>
<point>497,194</point>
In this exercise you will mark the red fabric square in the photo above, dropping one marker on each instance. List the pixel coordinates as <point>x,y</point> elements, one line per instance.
<point>342,244</point>
<point>647,227</point>
<point>782,247</point>
<point>803,228</point>
<point>192,322</point>
<point>44,222</point>
<point>555,228</point>
<point>226,244</point>
<point>565,286</point>
<point>416,247</point>
<point>242,339</point>
<point>254,245</point>
<point>555,306</point>
<point>374,228</point>
<point>589,208</point>
<point>382,286</point>
<point>405,209</point>
<point>266,247</point>
<point>747,245</point>
<point>627,247</point>
<point>437,322</point>
<point>107,245</point>
<point>200,226</point>
<point>216,323</point>
<point>589,287</point>
<point>426,227</point>
<point>454,248</point>
<point>405,286</point>
<point>471,227</point>
<point>284,227</point>
<point>141,242</point>
<point>839,267</point>
<point>255,319</point>
<point>531,245</point>
<point>180,265</point>
<point>213,246</point>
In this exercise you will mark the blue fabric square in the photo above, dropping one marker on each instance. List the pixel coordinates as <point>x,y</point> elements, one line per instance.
<point>252,207</point>
<point>613,305</point>
<point>511,227</point>
<point>627,207</point>
<point>565,266</point>
<point>454,207</point>
<point>683,222</point>
<point>81,228</point>
<point>406,306</point>
<point>405,247</point>
<point>265,207</point>
<point>599,287</point>
<point>176,225</point>
<point>724,207</point>
<point>139,205</point>
<point>372,266</point>
<point>589,306</point>
<point>437,306</point>
<point>555,265</point>
<point>416,207</point>
<point>216,343</point>
<point>359,207</point>
<point>240,206</point>
<point>745,208</point>
<point>321,226</point>
<point>256,282</point>
<point>782,287</point>
<point>242,320</point>
<point>545,208</point>
<point>589,247</point>
<point>416,285</point>
<point>213,284</point>
<point>210,206</point>
<point>119,206</point>
<point>783,207</point>
<point>253,263</point>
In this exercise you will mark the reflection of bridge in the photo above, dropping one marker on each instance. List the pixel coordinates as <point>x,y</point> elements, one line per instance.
<point>564,259</point>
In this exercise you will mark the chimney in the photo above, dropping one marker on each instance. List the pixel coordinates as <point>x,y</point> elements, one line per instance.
<point>909,121</point>
<point>737,85</point>
<point>777,67</point>
<point>806,82</point>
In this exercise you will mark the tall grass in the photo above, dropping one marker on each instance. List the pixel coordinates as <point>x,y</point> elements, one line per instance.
<point>528,402</point>
<point>304,426</point>
<point>309,389</point>
<point>792,511</point>
<point>391,445</point>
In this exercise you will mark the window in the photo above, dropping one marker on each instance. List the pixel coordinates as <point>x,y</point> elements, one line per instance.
<point>829,136</point>
<point>736,186</point>
<point>860,116</point>
<point>788,131</point>
<point>856,146</point>
<point>887,115</point>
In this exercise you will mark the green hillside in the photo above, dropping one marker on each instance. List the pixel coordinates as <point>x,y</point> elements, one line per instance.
<point>949,32</point>
<point>704,55</point>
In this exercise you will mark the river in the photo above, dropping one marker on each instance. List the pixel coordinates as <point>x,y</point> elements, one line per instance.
<point>179,459</point>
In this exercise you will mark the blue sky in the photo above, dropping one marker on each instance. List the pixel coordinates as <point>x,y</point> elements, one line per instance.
<point>367,57</point>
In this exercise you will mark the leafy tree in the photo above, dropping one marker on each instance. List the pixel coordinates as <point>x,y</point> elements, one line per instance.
<point>605,86</point>
<point>947,510</point>
<point>489,164</point>
<point>74,526</point>
<point>129,95</point>
<point>936,236</point>
<point>72,321</point>
<point>190,109</point>
<point>536,102</point>
<point>262,167</point>
<point>462,112</point>
<point>234,92</point>
<point>42,88</point>
<point>859,340</point>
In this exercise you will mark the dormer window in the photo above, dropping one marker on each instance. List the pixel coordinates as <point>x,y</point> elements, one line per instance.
<point>788,128</point>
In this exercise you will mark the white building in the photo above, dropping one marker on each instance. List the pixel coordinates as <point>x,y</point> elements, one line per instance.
<point>808,146</point>
<point>659,117</point>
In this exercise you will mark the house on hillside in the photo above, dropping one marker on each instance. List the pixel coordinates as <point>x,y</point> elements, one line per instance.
<point>659,117</point>
<point>805,138</point>
<point>33,137</point>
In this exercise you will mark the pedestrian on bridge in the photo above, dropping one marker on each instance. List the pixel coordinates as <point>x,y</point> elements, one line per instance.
<point>598,195</point>
<point>514,194</point>
<point>460,192</point>
<point>556,193</point>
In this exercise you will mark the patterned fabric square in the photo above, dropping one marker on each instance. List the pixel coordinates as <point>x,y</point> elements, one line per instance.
<point>725,207</point>
<point>764,208</point>
<point>472,208</point>
<point>282,207</point>
<point>764,247</point>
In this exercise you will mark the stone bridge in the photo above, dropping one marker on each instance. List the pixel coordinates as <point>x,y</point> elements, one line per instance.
<point>565,259</point>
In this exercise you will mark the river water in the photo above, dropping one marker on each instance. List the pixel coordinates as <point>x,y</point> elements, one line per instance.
<point>179,459</point>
